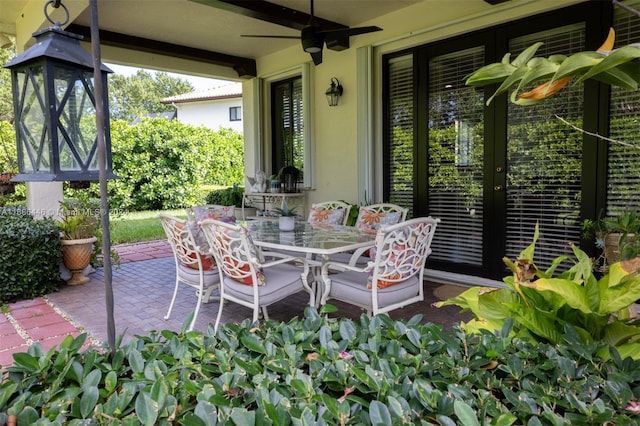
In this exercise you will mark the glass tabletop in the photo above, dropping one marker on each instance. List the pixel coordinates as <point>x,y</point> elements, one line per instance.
<point>309,238</point>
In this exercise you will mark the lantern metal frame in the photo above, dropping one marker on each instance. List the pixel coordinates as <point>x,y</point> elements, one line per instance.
<point>55,108</point>
<point>334,92</point>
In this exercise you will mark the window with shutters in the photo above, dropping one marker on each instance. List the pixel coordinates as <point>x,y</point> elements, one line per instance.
<point>287,125</point>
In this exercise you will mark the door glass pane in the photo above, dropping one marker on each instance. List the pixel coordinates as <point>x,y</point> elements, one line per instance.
<point>400,137</point>
<point>455,169</point>
<point>544,159</point>
<point>623,172</point>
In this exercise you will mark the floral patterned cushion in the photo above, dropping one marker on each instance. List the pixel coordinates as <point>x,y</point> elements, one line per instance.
<point>239,269</point>
<point>327,216</point>
<point>222,213</point>
<point>213,212</point>
<point>370,221</point>
<point>208,262</point>
<point>395,269</point>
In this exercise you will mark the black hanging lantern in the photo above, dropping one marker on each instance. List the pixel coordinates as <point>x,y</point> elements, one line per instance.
<point>55,111</point>
<point>290,176</point>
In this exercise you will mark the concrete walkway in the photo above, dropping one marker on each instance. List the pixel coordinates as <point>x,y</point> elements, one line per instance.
<point>142,288</point>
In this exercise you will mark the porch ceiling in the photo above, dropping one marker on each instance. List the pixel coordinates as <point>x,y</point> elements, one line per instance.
<point>205,30</point>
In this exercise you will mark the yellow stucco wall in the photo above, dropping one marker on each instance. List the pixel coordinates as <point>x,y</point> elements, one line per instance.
<point>334,130</point>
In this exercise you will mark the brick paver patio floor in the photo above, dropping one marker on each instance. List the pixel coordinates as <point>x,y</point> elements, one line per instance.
<point>142,287</point>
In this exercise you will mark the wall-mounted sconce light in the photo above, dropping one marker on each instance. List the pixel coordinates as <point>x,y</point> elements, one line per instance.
<point>55,108</point>
<point>334,92</point>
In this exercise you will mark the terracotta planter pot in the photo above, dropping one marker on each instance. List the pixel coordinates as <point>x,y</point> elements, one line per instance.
<point>76,255</point>
<point>612,246</point>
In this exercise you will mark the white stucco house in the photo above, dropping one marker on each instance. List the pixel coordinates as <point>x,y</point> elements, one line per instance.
<point>214,108</point>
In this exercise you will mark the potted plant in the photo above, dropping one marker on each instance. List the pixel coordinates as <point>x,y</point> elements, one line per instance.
<point>620,236</point>
<point>78,226</point>
<point>287,219</point>
<point>275,182</point>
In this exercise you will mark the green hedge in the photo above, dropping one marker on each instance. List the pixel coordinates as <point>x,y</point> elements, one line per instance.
<point>319,371</point>
<point>30,256</point>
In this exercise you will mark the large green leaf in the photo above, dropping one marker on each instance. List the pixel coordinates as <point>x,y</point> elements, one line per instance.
<point>567,292</point>
<point>612,60</point>
<point>617,332</point>
<point>489,74</point>
<point>540,69</point>
<point>526,54</point>
<point>379,414</point>
<point>578,64</point>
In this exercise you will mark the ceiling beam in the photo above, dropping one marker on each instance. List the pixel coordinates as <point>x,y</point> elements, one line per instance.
<point>245,67</point>
<point>279,15</point>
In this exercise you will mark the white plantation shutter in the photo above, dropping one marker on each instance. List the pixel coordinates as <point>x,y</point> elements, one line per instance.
<point>456,157</point>
<point>544,159</point>
<point>400,137</point>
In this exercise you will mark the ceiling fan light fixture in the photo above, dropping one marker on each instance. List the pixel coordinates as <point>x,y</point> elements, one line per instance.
<point>311,40</point>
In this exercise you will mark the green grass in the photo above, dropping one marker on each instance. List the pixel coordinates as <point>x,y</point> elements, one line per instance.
<point>140,226</point>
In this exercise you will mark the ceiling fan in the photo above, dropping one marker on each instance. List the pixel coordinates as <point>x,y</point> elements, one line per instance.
<point>313,37</point>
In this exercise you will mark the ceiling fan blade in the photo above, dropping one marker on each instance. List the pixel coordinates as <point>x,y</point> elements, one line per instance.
<point>348,32</point>
<point>317,57</point>
<point>271,36</point>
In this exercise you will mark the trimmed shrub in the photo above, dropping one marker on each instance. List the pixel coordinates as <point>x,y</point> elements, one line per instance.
<point>163,164</point>
<point>30,256</point>
<point>319,371</point>
<point>231,196</point>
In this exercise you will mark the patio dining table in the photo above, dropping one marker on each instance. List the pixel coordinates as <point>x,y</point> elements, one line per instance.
<point>313,240</point>
<point>309,238</point>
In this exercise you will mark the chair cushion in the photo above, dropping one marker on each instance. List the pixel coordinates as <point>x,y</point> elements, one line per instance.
<point>207,260</point>
<point>399,266</point>
<point>282,280</point>
<point>370,221</point>
<point>193,275</point>
<point>328,216</point>
<point>352,286</point>
<point>236,268</point>
<point>221,213</point>
<point>245,277</point>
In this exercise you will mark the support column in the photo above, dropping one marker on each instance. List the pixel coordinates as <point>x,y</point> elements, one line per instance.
<point>43,198</point>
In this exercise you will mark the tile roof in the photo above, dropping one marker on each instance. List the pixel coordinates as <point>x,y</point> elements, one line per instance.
<point>233,90</point>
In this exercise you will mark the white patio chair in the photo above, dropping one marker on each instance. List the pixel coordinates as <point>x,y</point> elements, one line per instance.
<point>330,212</point>
<point>195,267</point>
<point>370,218</point>
<point>247,278</point>
<point>394,278</point>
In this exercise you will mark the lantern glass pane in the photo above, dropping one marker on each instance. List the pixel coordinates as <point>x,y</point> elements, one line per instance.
<point>77,124</point>
<point>33,140</point>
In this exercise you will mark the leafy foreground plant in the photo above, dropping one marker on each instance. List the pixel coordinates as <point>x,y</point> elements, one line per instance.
<point>545,308</point>
<point>322,371</point>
